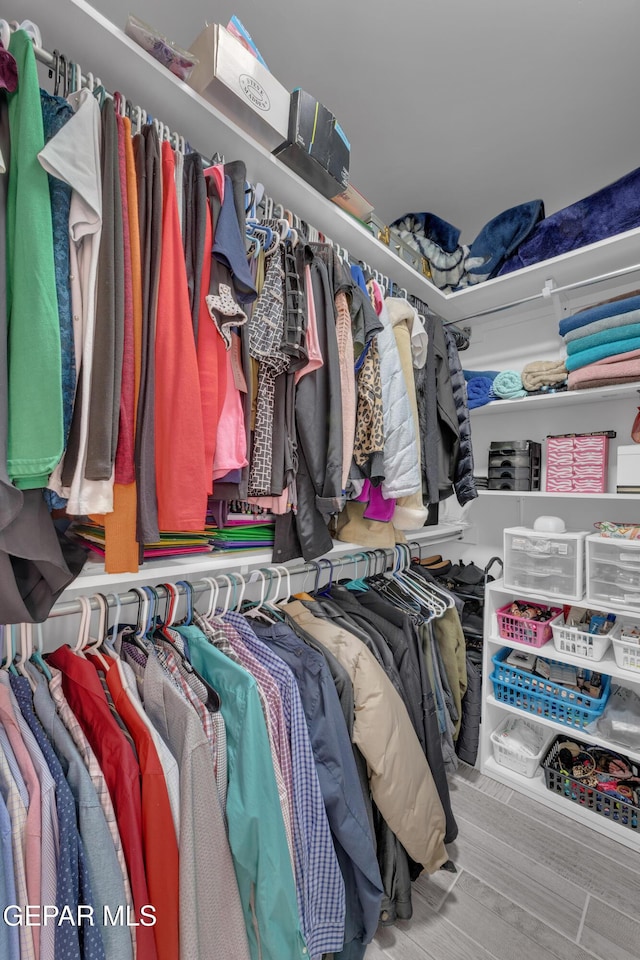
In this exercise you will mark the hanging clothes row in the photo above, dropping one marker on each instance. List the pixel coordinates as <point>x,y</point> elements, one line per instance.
<point>254,782</point>
<point>178,353</point>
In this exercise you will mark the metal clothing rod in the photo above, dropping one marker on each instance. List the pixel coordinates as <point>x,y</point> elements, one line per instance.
<point>70,607</point>
<point>548,292</point>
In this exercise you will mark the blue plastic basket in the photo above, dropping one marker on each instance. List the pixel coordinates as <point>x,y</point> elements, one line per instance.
<point>538,696</point>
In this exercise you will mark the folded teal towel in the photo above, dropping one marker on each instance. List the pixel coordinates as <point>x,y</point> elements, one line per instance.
<point>508,385</point>
<point>583,359</point>
<point>604,336</point>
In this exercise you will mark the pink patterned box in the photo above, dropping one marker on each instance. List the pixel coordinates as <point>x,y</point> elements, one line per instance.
<point>577,464</point>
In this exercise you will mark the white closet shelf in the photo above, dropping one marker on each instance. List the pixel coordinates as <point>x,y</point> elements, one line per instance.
<point>93,578</point>
<point>564,399</point>
<point>576,732</point>
<point>535,494</point>
<point>87,37</point>
<point>535,787</point>
<point>607,665</point>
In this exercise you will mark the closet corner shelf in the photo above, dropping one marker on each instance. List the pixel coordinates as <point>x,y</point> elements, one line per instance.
<point>93,578</point>
<point>564,399</point>
<point>542,494</point>
<point>564,728</point>
<point>535,788</point>
<point>89,38</point>
<point>607,665</point>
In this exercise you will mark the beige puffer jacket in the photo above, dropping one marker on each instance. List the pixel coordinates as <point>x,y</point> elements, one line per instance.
<point>399,775</point>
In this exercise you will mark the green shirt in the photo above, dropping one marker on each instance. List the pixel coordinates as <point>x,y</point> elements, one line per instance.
<point>256,829</point>
<point>35,440</point>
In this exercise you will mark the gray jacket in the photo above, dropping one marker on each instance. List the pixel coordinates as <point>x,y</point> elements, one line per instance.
<point>464,483</point>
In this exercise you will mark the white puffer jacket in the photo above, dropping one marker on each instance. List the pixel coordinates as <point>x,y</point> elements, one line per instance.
<point>401,458</point>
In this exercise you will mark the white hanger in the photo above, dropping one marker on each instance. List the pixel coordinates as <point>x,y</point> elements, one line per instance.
<point>26,649</point>
<point>213,596</point>
<point>33,30</point>
<point>92,645</point>
<point>242,591</point>
<point>83,629</point>
<point>227,602</point>
<point>288,574</point>
<point>5,33</point>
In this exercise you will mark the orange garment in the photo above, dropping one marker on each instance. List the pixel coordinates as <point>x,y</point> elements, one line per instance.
<point>181,475</point>
<point>121,547</point>
<point>211,361</point>
<point>159,843</point>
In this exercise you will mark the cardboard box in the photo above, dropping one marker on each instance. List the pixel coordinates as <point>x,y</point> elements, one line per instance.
<point>316,148</point>
<point>230,78</point>
<point>354,203</point>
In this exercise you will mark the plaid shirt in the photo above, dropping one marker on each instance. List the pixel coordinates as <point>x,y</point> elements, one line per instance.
<point>76,732</point>
<point>319,882</point>
<point>212,723</point>
<point>219,634</point>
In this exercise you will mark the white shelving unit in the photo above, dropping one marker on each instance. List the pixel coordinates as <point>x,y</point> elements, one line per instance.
<point>494,712</point>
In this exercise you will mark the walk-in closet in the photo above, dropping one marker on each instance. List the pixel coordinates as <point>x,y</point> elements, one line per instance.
<point>319,481</point>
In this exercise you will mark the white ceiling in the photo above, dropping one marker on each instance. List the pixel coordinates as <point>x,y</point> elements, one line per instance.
<point>461,109</point>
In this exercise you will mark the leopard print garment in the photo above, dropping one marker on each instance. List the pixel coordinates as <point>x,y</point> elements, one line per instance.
<point>369,422</point>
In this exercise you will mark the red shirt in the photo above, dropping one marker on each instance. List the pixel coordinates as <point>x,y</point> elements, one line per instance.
<point>86,698</point>
<point>181,476</point>
<point>159,841</point>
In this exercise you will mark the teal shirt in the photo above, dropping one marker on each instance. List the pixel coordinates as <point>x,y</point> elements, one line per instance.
<point>256,829</point>
<point>35,435</point>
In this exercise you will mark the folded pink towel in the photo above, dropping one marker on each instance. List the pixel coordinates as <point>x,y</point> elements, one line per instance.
<point>621,368</point>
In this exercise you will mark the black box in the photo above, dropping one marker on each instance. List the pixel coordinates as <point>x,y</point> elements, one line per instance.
<point>316,148</point>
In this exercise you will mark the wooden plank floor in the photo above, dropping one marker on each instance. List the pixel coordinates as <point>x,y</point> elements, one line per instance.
<point>531,883</point>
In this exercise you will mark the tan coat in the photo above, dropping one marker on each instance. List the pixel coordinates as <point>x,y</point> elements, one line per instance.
<point>399,775</point>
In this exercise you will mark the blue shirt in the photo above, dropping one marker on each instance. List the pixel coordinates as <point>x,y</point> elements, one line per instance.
<point>338,776</point>
<point>72,941</point>
<point>319,883</point>
<point>256,829</point>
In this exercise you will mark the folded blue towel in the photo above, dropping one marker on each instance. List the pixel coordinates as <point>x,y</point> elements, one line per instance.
<point>487,374</point>
<point>614,309</point>
<point>605,336</point>
<point>605,350</point>
<point>508,385</point>
<point>479,392</point>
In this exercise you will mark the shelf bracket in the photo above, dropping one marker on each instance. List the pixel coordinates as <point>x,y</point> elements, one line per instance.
<point>560,304</point>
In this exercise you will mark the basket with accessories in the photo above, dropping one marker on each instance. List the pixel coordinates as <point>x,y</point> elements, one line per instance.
<point>605,782</point>
<point>525,622</point>
<point>626,645</point>
<point>558,691</point>
<point>586,633</point>
<point>520,744</point>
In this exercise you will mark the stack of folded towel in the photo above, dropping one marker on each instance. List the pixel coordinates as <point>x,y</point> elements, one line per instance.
<point>603,343</point>
<point>542,376</point>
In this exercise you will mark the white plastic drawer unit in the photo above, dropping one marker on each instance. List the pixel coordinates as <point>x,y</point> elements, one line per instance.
<point>613,570</point>
<point>545,563</point>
